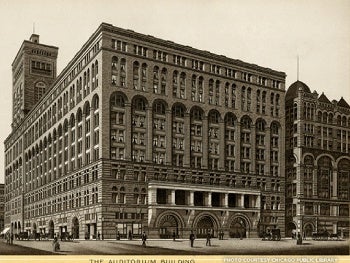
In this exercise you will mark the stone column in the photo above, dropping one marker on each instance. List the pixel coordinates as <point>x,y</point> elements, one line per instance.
<point>69,147</point>
<point>76,144</point>
<point>149,134</point>
<point>208,199</point>
<point>335,184</point>
<point>172,201</point>
<point>92,133</point>
<point>241,200</point>
<point>205,140</point>
<point>187,141</point>
<point>83,139</point>
<point>238,147</point>
<point>169,137</point>
<point>314,182</point>
<point>152,196</point>
<point>253,147</point>
<point>268,151</point>
<point>57,156</point>
<point>225,204</point>
<point>222,146</point>
<point>191,198</point>
<point>128,132</point>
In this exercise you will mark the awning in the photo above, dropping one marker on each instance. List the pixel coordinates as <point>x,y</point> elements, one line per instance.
<point>3,232</point>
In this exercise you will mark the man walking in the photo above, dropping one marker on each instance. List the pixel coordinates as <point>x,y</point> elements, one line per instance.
<point>208,239</point>
<point>192,238</point>
<point>144,238</point>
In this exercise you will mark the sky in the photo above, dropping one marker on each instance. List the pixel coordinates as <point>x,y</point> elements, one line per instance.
<point>269,33</point>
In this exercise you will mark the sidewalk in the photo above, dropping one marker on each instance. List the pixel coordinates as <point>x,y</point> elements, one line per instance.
<point>182,246</point>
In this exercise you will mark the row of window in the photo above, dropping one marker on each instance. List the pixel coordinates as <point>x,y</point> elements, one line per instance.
<point>179,86</point>
<point>139,134</point>
<point>193,63</point>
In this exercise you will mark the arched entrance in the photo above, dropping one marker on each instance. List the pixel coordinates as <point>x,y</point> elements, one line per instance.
<point>238,228</point>
<point>51,229</point>
<point>204,225</point>
<point>167,225</point>
<point>308,229</point>
<point>75,228</point>
<point>290,229</point>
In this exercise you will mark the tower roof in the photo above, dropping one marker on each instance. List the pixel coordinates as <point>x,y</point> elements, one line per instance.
<point>343,103</point>
<point>323,98</point>
<point>293,89</point>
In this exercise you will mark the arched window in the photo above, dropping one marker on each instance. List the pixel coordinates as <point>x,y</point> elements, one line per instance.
<point>117,100</point>
<point>159,108</point>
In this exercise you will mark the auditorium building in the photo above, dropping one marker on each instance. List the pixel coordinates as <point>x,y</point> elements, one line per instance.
<point>142,134</point>
<point>317,163</point>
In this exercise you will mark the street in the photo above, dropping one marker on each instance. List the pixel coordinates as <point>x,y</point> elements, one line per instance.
<point>179,247</point>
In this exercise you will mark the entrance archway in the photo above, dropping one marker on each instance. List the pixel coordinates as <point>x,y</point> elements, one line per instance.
<point>51,229</point>
<point>204,225</point>
<point>75,228</point>
<point>290,229</point>
<point>167,225</point>
<point>308,229</point>
<point>238,228</point>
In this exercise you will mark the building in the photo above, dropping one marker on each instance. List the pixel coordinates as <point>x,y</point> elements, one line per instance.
<point>317,162</point>
<point>2,207</point>
<point>142,134</point>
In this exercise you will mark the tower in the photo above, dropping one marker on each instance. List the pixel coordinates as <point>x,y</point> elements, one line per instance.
<point>33,72</point>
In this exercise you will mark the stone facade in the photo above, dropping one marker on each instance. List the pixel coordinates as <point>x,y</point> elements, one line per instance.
<point>317,162</point>
<point>141,134</point>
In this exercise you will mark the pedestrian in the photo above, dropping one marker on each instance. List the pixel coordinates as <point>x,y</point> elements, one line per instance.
<point>174,235</point>
<point>192,238</point>
<point>11,238</point>
<point>55,244</point>
<point>144,238</point>
<point>118,236</point>
<point>130,235</point>
<point>99,236</point>
<point>208,239</point>
<point>222,235</point>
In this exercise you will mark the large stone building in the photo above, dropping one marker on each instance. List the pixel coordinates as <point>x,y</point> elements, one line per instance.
<point>317,162</point>
<point>142,134</point>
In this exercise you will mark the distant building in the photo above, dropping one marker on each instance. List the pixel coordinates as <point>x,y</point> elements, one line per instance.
<point>317,162</point>
<point>142,134</point>
<point>2,207</point>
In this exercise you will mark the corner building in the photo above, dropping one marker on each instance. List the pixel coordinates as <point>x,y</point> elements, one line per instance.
<point>142,134</point>
<point>317,163</point>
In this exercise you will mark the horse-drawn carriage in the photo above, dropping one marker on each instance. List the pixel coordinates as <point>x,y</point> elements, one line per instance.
<point>324,235</point>
<point>273,234</point>
<point>22,236</point>
<point>65,236</point>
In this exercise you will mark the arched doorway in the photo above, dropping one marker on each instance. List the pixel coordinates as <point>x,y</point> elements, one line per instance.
<point>308,229</point>
<point>204,225</point>
<point>238,228</point>
<point>51,229</point>
<point>167,225</point>
<point>290,229</point>
<point>75,228</point>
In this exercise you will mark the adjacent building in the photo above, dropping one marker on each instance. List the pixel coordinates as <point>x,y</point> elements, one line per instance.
<point>317,162</point>
<point>2,207</point>
<point>143,134</point>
